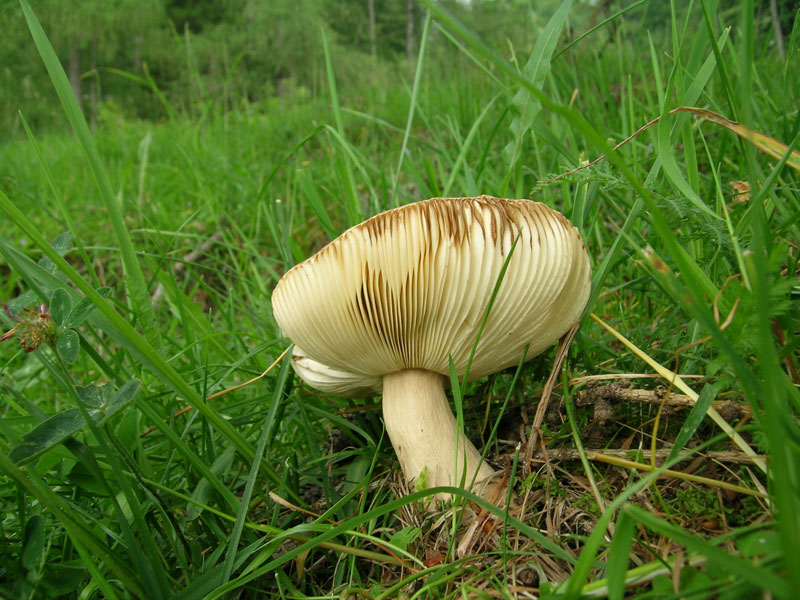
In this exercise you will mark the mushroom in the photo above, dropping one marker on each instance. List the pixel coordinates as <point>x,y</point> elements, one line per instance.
<point>385,306</point>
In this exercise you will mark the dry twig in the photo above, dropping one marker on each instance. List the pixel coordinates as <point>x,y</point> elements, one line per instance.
<point>660,455</point>
<point>541,409</point>
<point>622,392</point>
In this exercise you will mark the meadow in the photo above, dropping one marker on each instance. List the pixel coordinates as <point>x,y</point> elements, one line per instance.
<point>138,260</point>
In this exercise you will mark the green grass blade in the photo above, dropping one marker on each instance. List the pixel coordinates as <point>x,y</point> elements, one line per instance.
<point>693,420</point>
<point>312,196</point>
<point>535,72</point>
<point>244,504</point>
<point>48,175</point>
<point>610,19</point>
<point>70,520</point>
<point>137,344</point>
<point>612,256</point>
<point>781,429</point>
<point>462,153</point>
<point>137,286</point>
<point>411,107</point>
<point>351,204</point>
<point>148,82</point>
<point>330,532</point>
<point>618,555</point>
<point>760,577</point>
<point>587,469</point>
<point>708,19</point>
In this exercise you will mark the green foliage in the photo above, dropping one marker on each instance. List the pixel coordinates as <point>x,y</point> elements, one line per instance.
<point>100,405</point>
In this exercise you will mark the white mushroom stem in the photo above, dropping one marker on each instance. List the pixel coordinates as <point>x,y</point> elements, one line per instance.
<point>424,432</point>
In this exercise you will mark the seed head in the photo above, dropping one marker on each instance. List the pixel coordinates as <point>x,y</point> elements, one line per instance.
<point>34,328</point>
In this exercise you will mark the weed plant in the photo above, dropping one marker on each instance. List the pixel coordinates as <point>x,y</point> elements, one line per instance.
<point>138,264</point>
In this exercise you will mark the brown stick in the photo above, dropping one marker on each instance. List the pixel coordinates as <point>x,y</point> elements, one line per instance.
<point>541,409</point>
<point>620,392</point>
<point>661,454</point>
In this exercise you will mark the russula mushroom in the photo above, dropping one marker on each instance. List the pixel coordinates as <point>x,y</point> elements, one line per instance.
<point>386,305</point>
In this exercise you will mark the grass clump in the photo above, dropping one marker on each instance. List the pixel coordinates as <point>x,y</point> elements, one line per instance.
<point>124,473</point>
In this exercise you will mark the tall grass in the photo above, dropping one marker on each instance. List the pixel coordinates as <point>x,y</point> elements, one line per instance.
<point>275,491</point>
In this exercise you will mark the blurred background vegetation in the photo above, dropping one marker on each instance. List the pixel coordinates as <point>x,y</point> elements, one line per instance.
<point>146,59</point>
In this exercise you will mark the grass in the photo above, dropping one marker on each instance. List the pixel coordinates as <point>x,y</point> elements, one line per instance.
<point>276,491</point>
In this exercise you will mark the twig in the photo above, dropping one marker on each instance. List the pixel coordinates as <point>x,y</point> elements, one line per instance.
<point>541,409</point>
<point>620,392</point>
<point>660,454</point>
<point>623,462</point>
<point>681,385</point>
<point>615,376</point>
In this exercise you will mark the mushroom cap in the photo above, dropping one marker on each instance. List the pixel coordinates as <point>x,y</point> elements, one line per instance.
<point>409,288</point>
